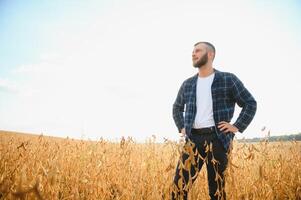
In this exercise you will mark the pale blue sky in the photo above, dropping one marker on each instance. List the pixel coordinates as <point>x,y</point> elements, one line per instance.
<point>113,68</point>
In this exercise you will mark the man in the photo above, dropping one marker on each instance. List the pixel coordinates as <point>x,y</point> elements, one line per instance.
<point>209,99</point>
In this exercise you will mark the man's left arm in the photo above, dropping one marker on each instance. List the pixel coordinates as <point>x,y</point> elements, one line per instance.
<point>245,100</point>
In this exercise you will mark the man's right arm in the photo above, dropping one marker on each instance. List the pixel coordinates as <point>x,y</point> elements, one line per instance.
<point>178,109</point>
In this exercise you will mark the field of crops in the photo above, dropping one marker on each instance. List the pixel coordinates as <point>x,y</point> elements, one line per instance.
<point>40,167</point>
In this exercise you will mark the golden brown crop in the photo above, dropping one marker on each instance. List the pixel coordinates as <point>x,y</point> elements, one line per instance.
<point>39,167</point>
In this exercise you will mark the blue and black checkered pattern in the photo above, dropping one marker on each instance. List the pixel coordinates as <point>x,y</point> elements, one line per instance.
<point>227,90</point>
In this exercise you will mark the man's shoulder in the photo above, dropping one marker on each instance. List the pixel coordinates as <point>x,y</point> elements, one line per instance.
<point>191,79</point>
<point>187,83</point>
<point>224,74</point>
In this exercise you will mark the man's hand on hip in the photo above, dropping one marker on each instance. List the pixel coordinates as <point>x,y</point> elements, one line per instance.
<point>227,127</point>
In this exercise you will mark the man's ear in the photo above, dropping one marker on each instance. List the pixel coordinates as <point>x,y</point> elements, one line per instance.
<point>211,55</point>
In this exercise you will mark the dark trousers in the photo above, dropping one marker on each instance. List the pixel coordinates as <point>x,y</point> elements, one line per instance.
<point>200,149</point>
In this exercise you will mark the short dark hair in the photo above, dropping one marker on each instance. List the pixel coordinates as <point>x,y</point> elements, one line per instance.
<point>210,47</point>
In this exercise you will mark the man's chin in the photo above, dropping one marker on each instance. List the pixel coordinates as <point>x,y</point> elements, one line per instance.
<point>197,66</point>
<point>194,65</point>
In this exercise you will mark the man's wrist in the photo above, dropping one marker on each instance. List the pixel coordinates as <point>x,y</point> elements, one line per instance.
<point>236,129</point>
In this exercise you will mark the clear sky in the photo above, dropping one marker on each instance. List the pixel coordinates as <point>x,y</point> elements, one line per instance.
<point>113,68</point>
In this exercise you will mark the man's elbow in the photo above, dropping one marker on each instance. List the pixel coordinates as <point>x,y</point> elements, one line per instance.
<point>176,108</point>
<point>254,106</point>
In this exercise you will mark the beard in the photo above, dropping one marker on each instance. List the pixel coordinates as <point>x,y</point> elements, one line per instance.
<point>201,62</point>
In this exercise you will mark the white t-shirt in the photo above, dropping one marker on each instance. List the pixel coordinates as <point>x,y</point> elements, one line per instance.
<point>204,114</point>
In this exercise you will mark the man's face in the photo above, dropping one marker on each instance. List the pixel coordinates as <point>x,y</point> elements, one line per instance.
<point>199,56</point>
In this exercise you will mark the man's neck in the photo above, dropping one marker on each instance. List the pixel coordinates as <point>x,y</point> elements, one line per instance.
<point>206,70</point>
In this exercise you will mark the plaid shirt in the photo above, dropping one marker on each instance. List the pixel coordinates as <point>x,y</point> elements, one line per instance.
<point>226,90</point>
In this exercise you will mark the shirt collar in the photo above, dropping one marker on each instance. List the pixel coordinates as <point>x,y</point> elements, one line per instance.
<point>195,77</point>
